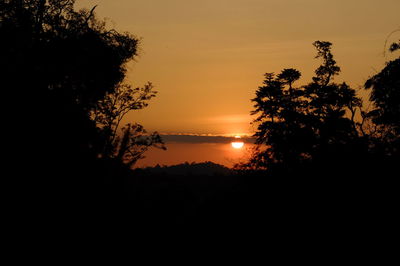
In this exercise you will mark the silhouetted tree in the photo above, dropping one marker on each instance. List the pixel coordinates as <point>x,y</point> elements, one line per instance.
<point>331,106</point>
<point>304,124</point>
<point>385,95</point>
<point>57,65</point>
<point>129,146</point>
<point>281,120</point>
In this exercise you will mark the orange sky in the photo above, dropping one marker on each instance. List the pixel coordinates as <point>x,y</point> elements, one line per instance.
<point>207,58</point>
<point>221,153</point>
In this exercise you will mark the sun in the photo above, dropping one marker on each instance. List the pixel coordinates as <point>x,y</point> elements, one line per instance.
<point>237,144</point>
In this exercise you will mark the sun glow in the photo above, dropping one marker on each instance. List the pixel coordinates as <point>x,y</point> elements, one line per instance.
<point>237,144</point>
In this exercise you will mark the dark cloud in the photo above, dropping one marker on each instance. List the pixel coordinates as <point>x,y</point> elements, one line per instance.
<point>203,139</point>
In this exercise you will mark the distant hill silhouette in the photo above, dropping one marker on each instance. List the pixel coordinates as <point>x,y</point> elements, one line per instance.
<point>203,169</point>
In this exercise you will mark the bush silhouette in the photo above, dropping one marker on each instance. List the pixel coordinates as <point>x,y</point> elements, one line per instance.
<point>59,67</point>
<point>385,96</point>
<point>300,125</point>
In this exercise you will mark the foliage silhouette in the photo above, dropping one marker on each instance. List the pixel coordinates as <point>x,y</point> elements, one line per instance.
<point>62,70</point>
<point>385,95</point>
<point>61,63</point>
<point>304,124</point>
<point>128,146</point>
<point>72,66</point>
<point>58,66</point>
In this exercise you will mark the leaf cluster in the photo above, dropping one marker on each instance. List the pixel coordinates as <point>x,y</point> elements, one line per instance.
<point>126,144</point>
<point>298,124</point>
<point>67,69</point>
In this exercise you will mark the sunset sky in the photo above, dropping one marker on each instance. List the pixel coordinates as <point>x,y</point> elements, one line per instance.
<point>207,58</point>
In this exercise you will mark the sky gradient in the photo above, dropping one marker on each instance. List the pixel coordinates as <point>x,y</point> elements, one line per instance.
<point>207,58</point>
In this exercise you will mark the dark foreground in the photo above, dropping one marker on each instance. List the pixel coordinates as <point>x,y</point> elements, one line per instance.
<point>240,202</point>
<point>232,211</point>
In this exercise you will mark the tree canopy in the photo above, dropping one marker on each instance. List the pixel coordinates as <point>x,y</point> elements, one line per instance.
<point>317,124</point>
<point>61,65</point>
<point>63,82</point>
<point>298,125</point>
<point>384,90</point>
